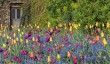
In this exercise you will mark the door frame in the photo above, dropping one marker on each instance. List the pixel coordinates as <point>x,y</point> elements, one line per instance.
<point>15,5</point>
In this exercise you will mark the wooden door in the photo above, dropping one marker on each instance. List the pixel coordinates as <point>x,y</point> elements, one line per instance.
<point>15,16</point>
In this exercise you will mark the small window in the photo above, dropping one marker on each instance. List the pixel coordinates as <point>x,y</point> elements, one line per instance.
<point>13,13</point>
<point>18,13</point>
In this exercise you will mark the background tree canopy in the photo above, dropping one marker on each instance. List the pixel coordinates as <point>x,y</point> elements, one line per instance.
<point>85,12</point>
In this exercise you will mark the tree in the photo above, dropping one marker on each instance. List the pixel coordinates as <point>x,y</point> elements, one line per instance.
<point>91,11</point>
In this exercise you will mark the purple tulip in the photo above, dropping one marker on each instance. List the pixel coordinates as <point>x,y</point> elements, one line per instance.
<point>47,39</point>
<point>26,37</point>
<point>1,50</point>
<point>29,34</point>
<point>24,52</point>
<point>7,42</point>
<point>15,58</point>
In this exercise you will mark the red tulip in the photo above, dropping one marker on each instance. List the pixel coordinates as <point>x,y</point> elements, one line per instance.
<point>85,56</point>
<point>19,60</point>
<point>75,57</point>
<point>76,44</point>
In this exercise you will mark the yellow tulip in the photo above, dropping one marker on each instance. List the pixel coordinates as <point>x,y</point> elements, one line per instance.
<point>70,28</point>
<point>35,25</point>
<point>86,26</point>
<point>58,56</point>
<point>4,35</point>
<point>79,25</point>
<point>90,26</point>
<point>21,40</point>
<point>4,45</point>
<point>48,24</point>
<point>96,23</point>
<point>14,35</point>
<point>59,25</point>
<point>51,30</point>
<point>20,35</point>
<point>103,25</point>
<point>51,39</point>
<point>102,34</point>
<point>38,27</point>
<point>17,39</point>
<point>18,30</point>
<point>56,27</point>
<point>49,59</point>
<point>65,27</point>
<point>108,25</point>
<point>27,41</point>
<point>33,39</point>
<point>104,42</point>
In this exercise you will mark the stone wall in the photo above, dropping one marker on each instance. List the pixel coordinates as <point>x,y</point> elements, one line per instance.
<point>5,10</point>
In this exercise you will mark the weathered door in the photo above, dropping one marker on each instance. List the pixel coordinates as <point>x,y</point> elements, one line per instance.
<point>15,16</point>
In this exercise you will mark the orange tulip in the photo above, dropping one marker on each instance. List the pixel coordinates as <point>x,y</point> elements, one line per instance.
<point>31,54</point>
<point>90,42</point>
<point>69,54</point>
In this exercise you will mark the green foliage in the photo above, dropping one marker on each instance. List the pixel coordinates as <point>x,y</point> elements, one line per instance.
<point>91,11</point>
<point>61,10</point>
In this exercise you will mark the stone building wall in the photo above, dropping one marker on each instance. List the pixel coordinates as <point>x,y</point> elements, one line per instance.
<point>5,10</point>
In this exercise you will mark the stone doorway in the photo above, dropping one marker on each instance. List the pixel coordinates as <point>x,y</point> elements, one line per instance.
<point>15,15</point>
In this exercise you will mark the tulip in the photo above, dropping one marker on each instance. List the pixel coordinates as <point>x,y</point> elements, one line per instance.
<point>59,25</point>
<point>4,45</point>
<point>76,44</point>
<point>58,56</point>
<point>49,59</point>
<point>14,35</point>
<point>33,39</point>
<point>96,23</point>
<point>19,60</point>
<point>31,54</point>
<point>51,39</point>
<point>47,39</point>
<point>51,30</point>
<point>24,52</point>
<point>14,41</point>
<point>75,57</point>
<point>69,54</point>
<point>90,42</point>
<point>102,34</point>
<point>108,25</point>
<point>54,60</point>
<point>15,58</point>
<point>86,26</point>
<point>17,39</point>
<point>7,43</point>
<point>105,42</point>
<point>103,25</point>
<point>18,30</point>
<point>1,50</point>
<point>27,41</point>
<point>70,28</point>
<point>21,40</point>
<point>20,35</point>
<point>34,58</point>
<point>85,57</point>
<point>38,27</point>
